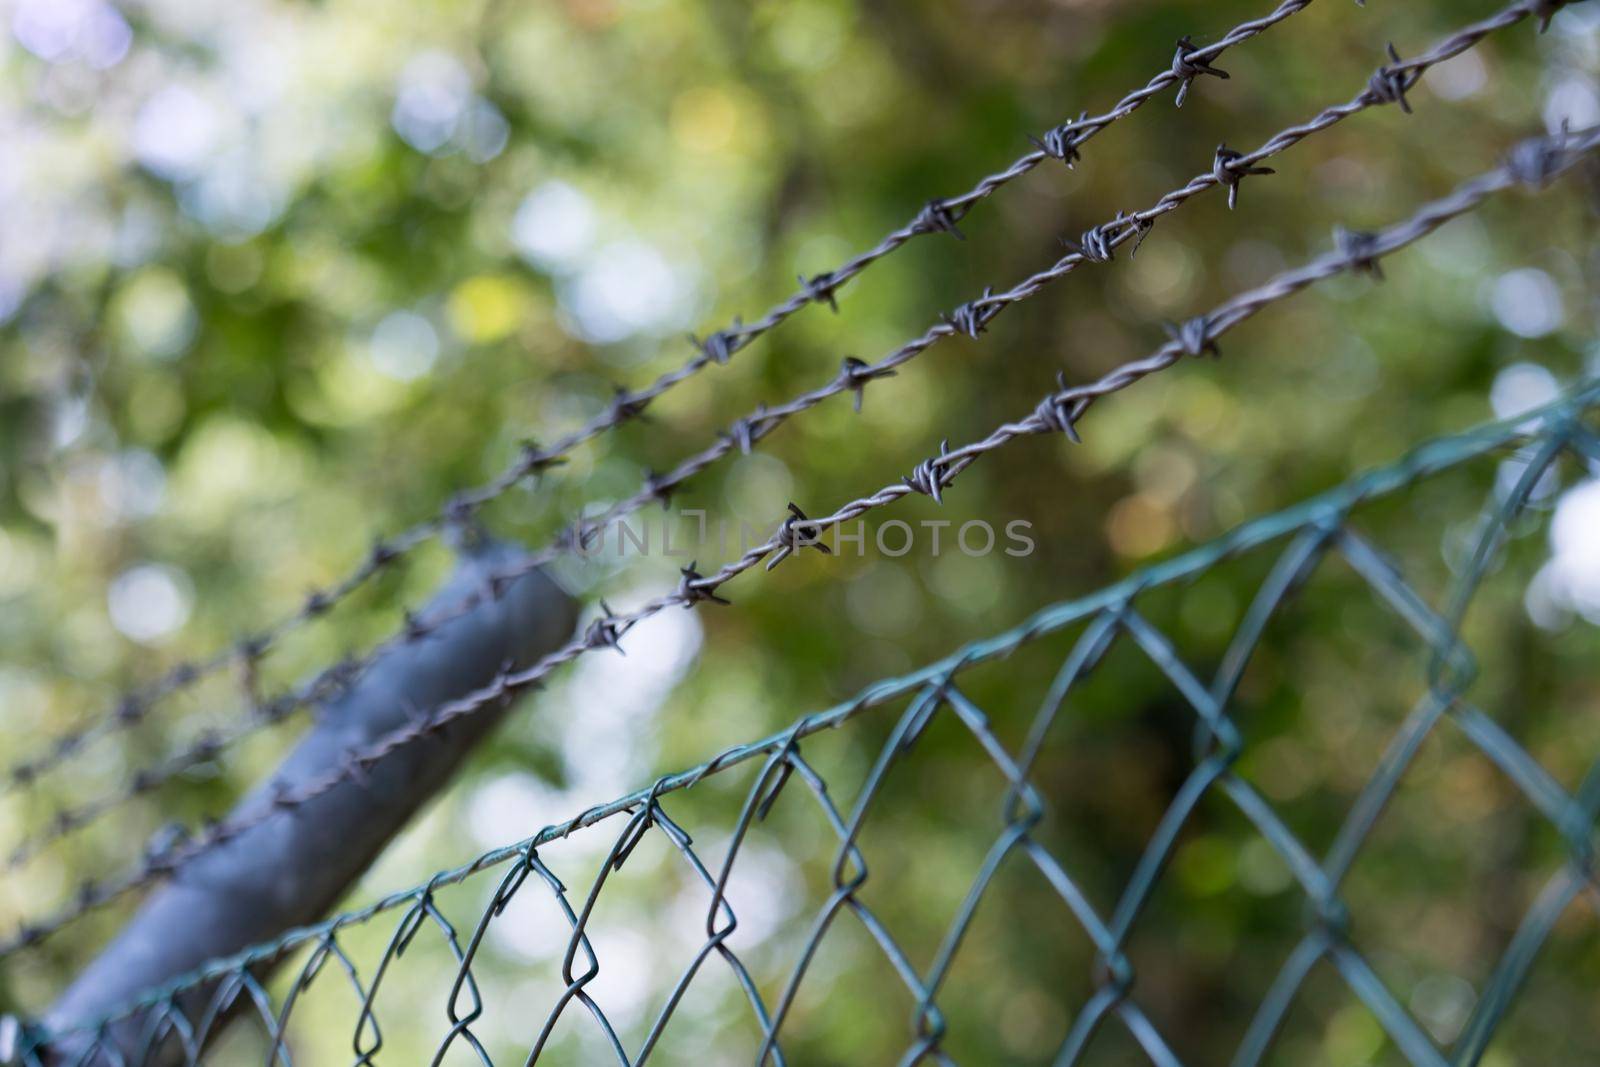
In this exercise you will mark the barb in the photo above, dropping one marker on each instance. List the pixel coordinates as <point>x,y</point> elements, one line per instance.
<point>1313,530</point>
<point>1188,65</point>
<point>1562,152</point>
<point>717,348</point>
<point>1096,246</point>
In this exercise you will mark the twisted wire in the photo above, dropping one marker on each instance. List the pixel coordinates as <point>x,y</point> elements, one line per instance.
<point>1096,246</point>
<point>1533,164</point>
<point>1063,142</point>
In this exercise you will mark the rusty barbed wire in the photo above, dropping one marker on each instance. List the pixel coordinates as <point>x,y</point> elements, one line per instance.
<point>1532,164</point>
<point>1095,246</point>
<point>1062,142</point>
<point>183,1015</point>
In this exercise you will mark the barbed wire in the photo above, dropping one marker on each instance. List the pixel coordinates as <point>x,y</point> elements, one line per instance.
<point>189,1008</point>
<point>940,215</point>
<point>1534,163</point>
<point>1095,246</point>
<point>210,743</point>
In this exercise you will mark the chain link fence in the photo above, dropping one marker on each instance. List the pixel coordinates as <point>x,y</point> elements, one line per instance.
<point>750,984</point>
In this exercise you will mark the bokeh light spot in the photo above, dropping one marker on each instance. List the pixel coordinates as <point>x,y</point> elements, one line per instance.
<point>486,308</point>
<point>154,314</point>
<point>404,346</point>
<point>149,602</point>
<point>433,93</point>
<point>175,133</point>
<point>554,227</point>
<point>1521,388</point>
<point>1527,302</point>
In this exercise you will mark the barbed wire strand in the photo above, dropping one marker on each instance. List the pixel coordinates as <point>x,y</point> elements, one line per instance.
<point>1063,142</point>
<point>1097,245</point>
<point>1313,525</point>
<point>1533,164</point>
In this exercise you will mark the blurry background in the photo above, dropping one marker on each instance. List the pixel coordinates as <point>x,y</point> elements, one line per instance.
<point>278,278</point>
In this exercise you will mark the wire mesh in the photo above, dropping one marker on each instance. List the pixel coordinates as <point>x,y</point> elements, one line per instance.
<point>179,1022</point>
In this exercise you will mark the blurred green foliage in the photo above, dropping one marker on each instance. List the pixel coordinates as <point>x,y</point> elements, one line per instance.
<point>279,277</point>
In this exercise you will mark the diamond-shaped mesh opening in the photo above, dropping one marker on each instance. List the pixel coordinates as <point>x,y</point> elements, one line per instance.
<point>1214,926</point>
<point>1444,879</point>
<point>1329,1024</point>
<point>1023,963</point>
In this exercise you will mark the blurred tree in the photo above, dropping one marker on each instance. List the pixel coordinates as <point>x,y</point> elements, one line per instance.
<point>279,278</point>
